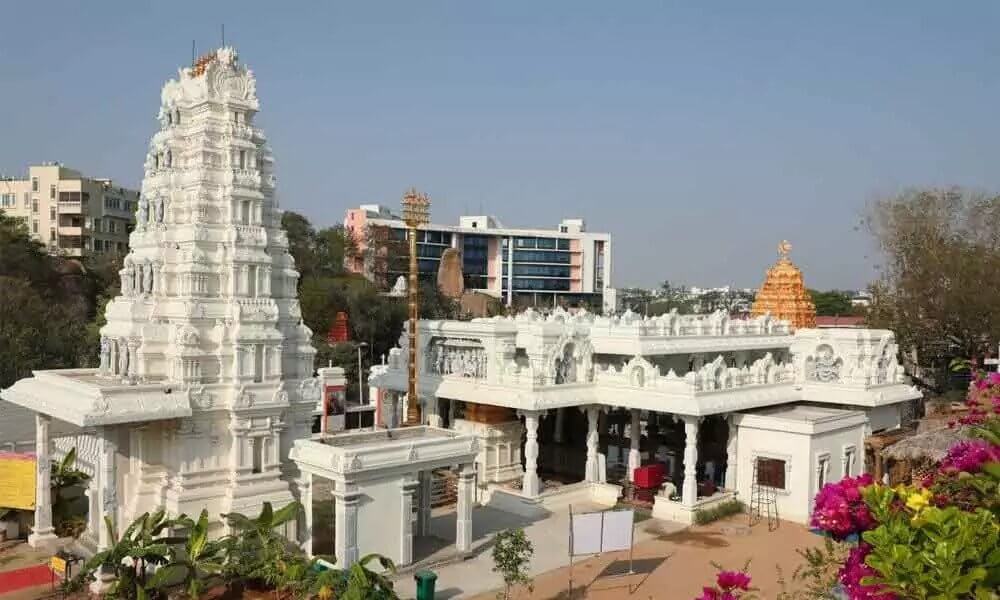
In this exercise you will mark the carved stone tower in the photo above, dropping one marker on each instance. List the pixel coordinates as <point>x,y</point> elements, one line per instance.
<point>208,307</point>
<point>784,294</point>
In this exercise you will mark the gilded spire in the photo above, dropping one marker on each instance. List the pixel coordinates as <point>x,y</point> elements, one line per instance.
<point>784,293</point>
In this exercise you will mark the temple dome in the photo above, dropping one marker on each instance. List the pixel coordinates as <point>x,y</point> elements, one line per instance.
<point>783,294</point>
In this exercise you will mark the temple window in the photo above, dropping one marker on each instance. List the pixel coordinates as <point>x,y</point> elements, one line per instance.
<point>258,363</point>
<point>257,450</point>
<point>243,159</point>
<point>245,212</point>
<point>822,470</point>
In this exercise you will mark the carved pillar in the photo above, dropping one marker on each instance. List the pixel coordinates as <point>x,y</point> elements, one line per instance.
<point>732,457</point>
<point>463,512</point>
<point>345,545</point>
<point>107,489</point>
<point>431,411</point>
<point>265,283</point>
<point>133,358</point>
<point>635,436</point>
<point>591,468</point>
<point>408,491</point>
<point>689,490</point>
<point>42,534</point>
<point>307,505</point>
<point>531,486</point>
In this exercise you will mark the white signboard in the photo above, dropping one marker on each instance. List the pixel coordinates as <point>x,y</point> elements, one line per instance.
<point>596,532</point>
<point>617,531</point>
<point>585,533</point>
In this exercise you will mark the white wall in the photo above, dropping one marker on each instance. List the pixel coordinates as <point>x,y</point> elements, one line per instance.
<point>793,448</point>
<point>801,453</point>
<point>379,518</point>
<point>884,417</point>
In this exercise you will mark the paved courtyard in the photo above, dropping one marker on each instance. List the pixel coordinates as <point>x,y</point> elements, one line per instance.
<point>669,560</point>
<point>464,579</point>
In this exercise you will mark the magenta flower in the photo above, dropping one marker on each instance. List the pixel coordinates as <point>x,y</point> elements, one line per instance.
<point>733,580</point>
<point>709,593</point>
<point>970,455</point>
<point>854,570</point>
<point>840,510</point>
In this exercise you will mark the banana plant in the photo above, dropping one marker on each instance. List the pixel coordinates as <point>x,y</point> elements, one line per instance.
<point>256,553</point>
<point>130,555</point>
<point>201,556</point>
<point>65,475</point>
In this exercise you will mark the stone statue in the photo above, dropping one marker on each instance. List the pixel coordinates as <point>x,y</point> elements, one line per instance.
<point>142,215</point>
<point>122,358</point>
<point>105,354</point>
<point>449,277</point>
<point>147,283</point>
<point>128,278</point>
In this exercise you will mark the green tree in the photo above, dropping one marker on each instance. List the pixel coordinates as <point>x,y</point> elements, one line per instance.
<point>940,272</point>
<point>832,303</point>
<point>512,552</point>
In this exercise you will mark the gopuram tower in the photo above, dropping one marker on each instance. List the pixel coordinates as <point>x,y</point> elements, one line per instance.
<point>208,309</point>
<point>784,295</point>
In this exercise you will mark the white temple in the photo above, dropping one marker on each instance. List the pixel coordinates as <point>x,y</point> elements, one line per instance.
<point>723,403</point>
<point>206,369</point>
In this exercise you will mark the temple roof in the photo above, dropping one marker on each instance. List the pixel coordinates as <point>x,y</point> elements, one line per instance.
<point>783,294</point>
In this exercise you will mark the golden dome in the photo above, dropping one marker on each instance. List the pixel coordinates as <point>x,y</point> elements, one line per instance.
<point>784,294</point>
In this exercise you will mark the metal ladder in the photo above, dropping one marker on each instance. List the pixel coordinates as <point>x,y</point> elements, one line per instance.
<point>763,502</point>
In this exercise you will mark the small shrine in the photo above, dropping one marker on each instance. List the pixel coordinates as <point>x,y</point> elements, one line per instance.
<point>784,295</point>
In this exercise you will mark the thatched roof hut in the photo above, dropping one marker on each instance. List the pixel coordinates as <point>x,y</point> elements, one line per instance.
<point>927,446</point>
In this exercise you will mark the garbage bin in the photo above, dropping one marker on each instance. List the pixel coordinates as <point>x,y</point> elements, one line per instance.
<point>425,584</point>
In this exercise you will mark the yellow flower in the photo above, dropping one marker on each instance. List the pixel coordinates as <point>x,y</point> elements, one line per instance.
<point>325,593</point>
<point>918,501</point>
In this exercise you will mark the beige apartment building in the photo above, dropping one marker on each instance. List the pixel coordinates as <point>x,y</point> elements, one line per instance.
<point>71,214</point>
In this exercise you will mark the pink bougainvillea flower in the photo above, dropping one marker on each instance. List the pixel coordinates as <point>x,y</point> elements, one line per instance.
<point>709,593</point>
<point>970,456</point>
<point>733,580</point>
<point>854,570</point>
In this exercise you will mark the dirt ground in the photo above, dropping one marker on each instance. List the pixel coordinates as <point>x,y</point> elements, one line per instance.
<point>678,565</point>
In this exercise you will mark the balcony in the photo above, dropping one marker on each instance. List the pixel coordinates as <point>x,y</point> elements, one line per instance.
<point>71,230</point>
<point>72,208</point>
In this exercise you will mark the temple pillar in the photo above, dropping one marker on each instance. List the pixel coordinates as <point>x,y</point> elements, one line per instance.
<point>408,491</point>
<point>689,489</point>
<point>592,465</point>
<point>433,417</point>
<point>531,486</point>
<point>635,436</point>
<point>732,457</point>
<point>42,534</point>
<point>307,504</point>
<point>424,497</point>
<point>345,543</point>
<point>558,435</point>
<point>463,511</point>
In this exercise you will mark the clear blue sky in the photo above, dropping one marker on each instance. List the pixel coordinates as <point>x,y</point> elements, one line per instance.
<point>698,136</point>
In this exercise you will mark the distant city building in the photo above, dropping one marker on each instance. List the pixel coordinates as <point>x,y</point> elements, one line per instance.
<point>71,214</point>
<point>522,267</point>
<point>861,299</point>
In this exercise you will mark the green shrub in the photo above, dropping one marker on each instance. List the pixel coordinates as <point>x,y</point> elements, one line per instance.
<point>729,507</point>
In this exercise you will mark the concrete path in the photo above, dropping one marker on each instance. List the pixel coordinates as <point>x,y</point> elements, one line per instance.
<point>549,535</point>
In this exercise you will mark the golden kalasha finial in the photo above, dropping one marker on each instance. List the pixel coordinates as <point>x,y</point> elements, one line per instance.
<point>783,249</point>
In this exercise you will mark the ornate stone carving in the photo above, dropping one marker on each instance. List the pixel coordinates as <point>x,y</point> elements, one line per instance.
<point>458,357</point>
<point>824,366</point>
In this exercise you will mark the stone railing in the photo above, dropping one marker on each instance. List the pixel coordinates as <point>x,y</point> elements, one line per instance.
<point>674,325</point>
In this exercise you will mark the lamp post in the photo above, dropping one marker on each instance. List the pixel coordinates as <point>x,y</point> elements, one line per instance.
<point>361,375</point>
<point>416,212</point>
